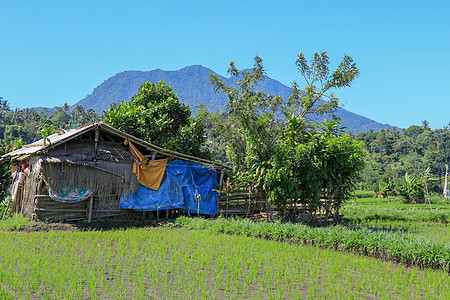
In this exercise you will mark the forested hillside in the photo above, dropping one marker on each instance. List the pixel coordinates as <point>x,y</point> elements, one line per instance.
<point>415,155</point>
<point>26,124</point>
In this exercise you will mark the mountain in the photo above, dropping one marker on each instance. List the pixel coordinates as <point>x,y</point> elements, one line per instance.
<point>193,87</point>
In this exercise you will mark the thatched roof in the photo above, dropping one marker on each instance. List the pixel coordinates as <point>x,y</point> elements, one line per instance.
<point>56,139</point>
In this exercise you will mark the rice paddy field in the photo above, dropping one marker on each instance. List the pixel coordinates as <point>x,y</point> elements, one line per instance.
<point>381,252</point>
<point>432,231</point>
<point>390,215</point>
<point>169,263</point>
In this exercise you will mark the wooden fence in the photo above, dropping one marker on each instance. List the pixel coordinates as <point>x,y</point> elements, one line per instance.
<point>256,206</point>
<point>243,204</point>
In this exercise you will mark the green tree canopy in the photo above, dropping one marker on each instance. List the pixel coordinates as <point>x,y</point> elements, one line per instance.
<point>156,115</point>
<point>317,97</point>
<point>393,153</point>
<point>273,146</point>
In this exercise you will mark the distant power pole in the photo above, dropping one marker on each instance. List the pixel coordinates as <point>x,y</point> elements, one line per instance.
<point>446,187</point>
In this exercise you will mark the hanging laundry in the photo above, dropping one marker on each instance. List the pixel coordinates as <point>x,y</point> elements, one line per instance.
<point>149,173</point>
<point>71,196</point>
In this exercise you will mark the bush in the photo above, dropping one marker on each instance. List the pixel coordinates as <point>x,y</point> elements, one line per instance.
<point>3,205</point>
<point>16,221</point>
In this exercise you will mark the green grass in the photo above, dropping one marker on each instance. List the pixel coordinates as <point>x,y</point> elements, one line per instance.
<point>15,222</point>
<point>396,246</point>
<point>359,214</point>
<point>225,258</point>
<point>437,232</point>
<point>364,208</point>
<point>364,211</point>
<point>363,194</point>
<point>396,202</point>
<point>4,294</point>
<point>172,263</point>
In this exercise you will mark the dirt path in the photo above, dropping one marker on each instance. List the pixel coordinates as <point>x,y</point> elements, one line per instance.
<point>83,226</point>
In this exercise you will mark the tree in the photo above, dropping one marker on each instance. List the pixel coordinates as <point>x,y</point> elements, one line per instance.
<point>17,116</point>
<point>282,157</point>
<point>78,115</point>
<point>316,97</point>
<point>216,137</point>
<point>252,126</point>
<point>425,125</point>
<point>60,118</point>
<point>155,114</point>
<point>317,164</point>
<point>46,131</point>
<point>4,108</point>
<point>92,116</point>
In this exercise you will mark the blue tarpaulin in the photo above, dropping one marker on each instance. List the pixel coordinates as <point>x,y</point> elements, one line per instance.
<point>185,185</point>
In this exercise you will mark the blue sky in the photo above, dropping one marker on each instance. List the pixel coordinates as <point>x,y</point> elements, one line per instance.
<point>52,52</point>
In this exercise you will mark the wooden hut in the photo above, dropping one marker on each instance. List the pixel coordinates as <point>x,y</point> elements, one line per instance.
<point>84,173</point>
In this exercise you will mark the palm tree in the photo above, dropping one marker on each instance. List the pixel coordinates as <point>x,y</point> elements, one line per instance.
<point>4,105</point>
<point>4,108</point>
<point>26,114</point>
<point>17,116</point>
<point>66,107</point>
<point>91,115</point>
<point>78,115</point>
<point>34,115</point>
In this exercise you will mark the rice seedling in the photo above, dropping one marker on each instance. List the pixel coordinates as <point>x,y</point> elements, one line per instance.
<point>200,261</point>
<point>391,245</point>
<point>433,231</point>
<point>410,213</point>
<point>15,222</point>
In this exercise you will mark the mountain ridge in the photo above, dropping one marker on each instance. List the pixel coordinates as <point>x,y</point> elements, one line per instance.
<point>191,83</point>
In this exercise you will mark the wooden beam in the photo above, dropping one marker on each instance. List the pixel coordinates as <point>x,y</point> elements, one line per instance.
<point>96,217</point>
<point>95,196</point>
<point>7,207</point>
<point>91,204</point>
<point>96,138</point>
<point>78,210</point>
<point>61,210</point>
<point>220,188</point>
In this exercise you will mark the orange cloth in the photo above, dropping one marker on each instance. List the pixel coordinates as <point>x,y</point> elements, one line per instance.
<point>149,173</point>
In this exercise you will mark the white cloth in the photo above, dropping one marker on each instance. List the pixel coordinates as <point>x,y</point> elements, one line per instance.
<point>446,187</point>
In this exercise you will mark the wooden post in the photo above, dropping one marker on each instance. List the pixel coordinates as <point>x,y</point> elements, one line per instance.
<point>97,135</point>
<point>220,189</point>
<point>228,200</point>
<point>91,204</point>
<point>7,207</point>
<point>20,202</point>
<point>39,188</point>
<point>249,202</point>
